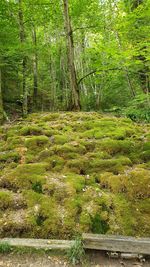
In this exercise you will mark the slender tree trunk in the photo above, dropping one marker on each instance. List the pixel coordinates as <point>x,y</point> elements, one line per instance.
<point>35,68</point>
<point>144,71</point>
<point>1,100</point>
<point>71,65</point>
<point>124,68</point>
<point>24,61</point>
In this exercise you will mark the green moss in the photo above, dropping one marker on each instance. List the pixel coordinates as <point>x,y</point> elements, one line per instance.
<point>72,173</point>
<point>146,146</point>
<point>36,141</point>
<point>13,131</point>
<point>30,158</point>
<point>77,181</point>
<point>116,146</point>
<point>145,155</point>
<point>124,219</point>
<point>61,139</point>
<point>114,165</point>
<point>32,198</point>
<point>50,117</point>
<point>101,129</point>
<point>15,141</point>
<point>15,224</point>
<point>50,132</point>
<point>70,220</point>
<point>116,183</point>
<point>98,155</point>
<point>70,155</point>
<point>25,176</point>
<point>73,147</point>
<point>9,156</point>
<point>44,216</point>
<point>31,130</point>
<point>55,163</point>
<point>89,144</point>
<point>137,184</point>
<point>45,154</point>
<point>85,222</point>
<point>79,165</point>
<point>6,200</point>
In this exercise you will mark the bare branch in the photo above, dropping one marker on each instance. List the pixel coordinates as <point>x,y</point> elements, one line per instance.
<point>95,71</point>
<point>85,27</point>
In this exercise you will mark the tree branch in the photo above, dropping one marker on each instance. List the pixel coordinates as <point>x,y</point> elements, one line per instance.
<point>86,27</point>
<point>94,71</point>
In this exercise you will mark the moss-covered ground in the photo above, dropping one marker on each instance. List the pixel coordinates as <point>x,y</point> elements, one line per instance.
<point>67,173</point>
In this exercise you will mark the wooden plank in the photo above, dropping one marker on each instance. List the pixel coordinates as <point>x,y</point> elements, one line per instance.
<point>117,243</point>
<point>38,243</point>
<point>90,241</point>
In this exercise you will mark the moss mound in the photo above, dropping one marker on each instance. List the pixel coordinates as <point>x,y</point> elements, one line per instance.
<point>67,173</point>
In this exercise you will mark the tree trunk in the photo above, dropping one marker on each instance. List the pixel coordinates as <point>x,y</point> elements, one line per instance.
<point>124,68</point>
<point>35,68</point>
<point>24,60</point>
<point>70,53</point>
<point>144,71</point>
<point>1,100</point>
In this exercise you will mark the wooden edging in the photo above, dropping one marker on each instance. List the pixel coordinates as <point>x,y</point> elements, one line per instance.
<point>90,241</point>
<point>38,243</point>
<point>117,243</point>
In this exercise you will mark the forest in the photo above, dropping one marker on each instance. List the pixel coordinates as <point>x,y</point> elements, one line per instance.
<point>74,118</point>
<point>87,55</point>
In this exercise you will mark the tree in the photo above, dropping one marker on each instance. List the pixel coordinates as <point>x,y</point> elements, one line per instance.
<point>70,53</point>
<point>99,60</point>
<point>24,59</point>
<point>1,100</point>
<point>35,67</point>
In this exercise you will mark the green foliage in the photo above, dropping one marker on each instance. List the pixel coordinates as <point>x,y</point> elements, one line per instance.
<point>139,108</point>
<point>99,226</point>
<point>37,187</point>
<point>76,253</point>
<point>113,60</point>
<point>5,248</point>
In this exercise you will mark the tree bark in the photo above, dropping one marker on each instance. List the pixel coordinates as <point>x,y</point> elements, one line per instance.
<point>35,68</point>
<point>144,71</point>
<point>24,60</point>
<point>71,65</point>
<point>1,100</point>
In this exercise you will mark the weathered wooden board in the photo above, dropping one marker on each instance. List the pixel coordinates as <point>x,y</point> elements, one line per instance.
<point>90,241</point>
<point>117,243</point>
<point>38,243</point>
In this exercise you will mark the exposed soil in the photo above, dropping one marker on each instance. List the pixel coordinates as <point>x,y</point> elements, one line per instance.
<point>96,260</point>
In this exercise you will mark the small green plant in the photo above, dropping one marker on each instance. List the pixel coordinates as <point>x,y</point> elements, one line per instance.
<point>37,187</point>
<point>99,226</point>
<point>5,247</point>
<point>139,108</point>
<point>76,253</point>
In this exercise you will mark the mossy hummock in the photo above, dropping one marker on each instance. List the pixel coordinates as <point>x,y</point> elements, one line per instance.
<point>62,174</point>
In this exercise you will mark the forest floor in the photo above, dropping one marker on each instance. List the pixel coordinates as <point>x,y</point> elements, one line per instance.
<point>95,259</point>
<point>62,174</point>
